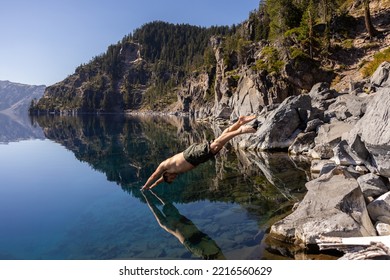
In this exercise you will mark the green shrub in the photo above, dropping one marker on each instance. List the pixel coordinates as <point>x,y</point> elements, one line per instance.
<point>297,53</point>
<point>369,68</point>
<point>269,61</point>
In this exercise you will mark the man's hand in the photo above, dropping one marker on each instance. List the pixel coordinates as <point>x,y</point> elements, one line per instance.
<point>146,187</point>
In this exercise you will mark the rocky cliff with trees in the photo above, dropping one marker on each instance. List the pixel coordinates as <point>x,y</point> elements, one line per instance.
<point>283,49</point>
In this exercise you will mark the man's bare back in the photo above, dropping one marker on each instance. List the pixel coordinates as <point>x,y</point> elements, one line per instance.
<point>176,164</point>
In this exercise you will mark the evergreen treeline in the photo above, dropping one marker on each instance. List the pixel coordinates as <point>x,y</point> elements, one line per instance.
<point>174,51</point>
<point>180,45</point>
<point>304,25</point>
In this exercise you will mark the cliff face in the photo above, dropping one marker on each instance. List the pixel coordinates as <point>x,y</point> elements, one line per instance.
<point>98,87</point>
<point>245,89</point>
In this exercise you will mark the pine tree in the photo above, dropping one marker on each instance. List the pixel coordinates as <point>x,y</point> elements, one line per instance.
<point>284,15</point>
<point>307,25</point>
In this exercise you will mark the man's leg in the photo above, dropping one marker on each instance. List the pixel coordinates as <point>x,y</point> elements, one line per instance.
<point>231,132</point>
<point>241,121</point>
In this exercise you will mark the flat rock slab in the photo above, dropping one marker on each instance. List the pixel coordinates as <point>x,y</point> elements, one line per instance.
<point>334,205</point>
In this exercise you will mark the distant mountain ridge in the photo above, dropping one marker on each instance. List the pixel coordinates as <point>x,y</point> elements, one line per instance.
<point>15,98</point>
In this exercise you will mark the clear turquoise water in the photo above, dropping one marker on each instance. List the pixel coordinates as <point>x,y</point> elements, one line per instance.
<point>75,194</point>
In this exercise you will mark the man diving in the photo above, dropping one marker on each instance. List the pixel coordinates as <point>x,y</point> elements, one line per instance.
<point>196,154</point>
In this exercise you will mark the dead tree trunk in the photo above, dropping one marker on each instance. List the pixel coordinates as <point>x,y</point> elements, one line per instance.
<point>372,32</point>
<point>358,248</point>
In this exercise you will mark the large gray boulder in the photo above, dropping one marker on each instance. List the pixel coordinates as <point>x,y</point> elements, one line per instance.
<point>334,205</point>
<point>344,156</point>
<point>303,143</point>
<point>347,106</point>
<point>282,125</point>
<point>328,137</point>
<point>322,96</point>
<point>381,77</point>
<point>373,185</point>
<point>373,132</point>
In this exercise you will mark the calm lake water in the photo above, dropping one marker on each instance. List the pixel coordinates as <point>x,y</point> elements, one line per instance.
<point>70,190</point>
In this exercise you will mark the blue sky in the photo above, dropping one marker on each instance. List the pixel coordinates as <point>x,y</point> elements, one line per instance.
<point>43,41</point>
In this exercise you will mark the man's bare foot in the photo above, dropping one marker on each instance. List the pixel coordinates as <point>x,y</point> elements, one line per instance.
<point>245,119</point>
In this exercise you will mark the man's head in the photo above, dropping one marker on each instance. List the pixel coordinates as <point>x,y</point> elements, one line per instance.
<point>169,177</point>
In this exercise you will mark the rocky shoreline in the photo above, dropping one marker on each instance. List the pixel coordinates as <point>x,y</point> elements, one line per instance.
<point>347,138</point>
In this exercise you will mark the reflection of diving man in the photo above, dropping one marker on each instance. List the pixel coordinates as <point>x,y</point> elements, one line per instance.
<point>195,241</point>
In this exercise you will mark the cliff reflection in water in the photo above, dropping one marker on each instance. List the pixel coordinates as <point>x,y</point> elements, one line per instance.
<point>128,149</point>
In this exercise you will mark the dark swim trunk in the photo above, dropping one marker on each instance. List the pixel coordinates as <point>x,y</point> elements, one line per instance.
<point>198,153</point>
